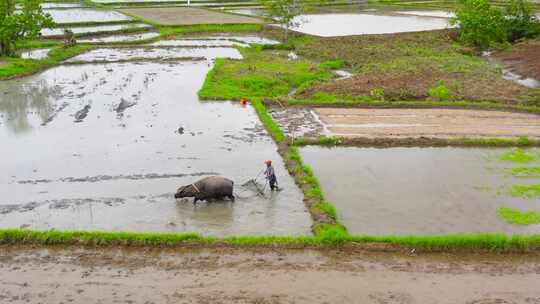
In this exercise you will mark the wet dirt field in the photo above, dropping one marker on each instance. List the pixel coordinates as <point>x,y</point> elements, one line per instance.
<point>119,38</point>
<point>95,29</point>
<point>331,25</point>
<point>188,16</point>
<point>421,191</point>
<point>105,146</point>
<point>438,123</point>
<point>274,276</point>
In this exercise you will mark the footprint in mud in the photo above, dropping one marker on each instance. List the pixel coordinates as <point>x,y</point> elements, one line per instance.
<point>391,298</point>
<point>81,114</point>
<point>123,105</point>
<point>491,301</point>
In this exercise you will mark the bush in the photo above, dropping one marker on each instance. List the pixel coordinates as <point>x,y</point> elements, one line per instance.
<point>480,24</point>
<point>521,22</point>
<point>484,26</point>
<point>440,92</point>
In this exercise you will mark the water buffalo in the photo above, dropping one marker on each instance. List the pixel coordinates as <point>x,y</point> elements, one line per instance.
<point>211,187</point>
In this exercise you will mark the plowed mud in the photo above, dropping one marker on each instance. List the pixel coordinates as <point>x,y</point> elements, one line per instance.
<point>438,123</point>
<point>261,276</point>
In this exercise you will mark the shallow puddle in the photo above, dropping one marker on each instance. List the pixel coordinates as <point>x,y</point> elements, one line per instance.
<point>328,25</point>
<point>81,15</point>
<point>36,54</point>
<point>120,38</point>
<point>94,29</point>
<point>105,146</point>
<point>418,190</point>
<point>119,54</point>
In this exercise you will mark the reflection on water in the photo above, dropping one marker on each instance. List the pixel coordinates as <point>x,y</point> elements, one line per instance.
<point>19,103</point>
<point>329,25</point>
<point>418,190</point>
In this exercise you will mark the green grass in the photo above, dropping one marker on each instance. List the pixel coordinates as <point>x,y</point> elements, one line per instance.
<point>328,209</point>
<point>441,142</point>
<point>201,28</point>
<point>526,172</point>
<point>333,64</point>
<point>36,44</point>
<point>519,156</point>
<point>261,74</point>
<point>514,216</point>
<point>525,191</point>
<point>20,67</point>
<point>330,235</point>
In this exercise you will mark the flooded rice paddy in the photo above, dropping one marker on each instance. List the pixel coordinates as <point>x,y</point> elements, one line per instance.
<point>81,15</point>
<point>243,41</point>
<point>419,190</point>
<point>105,146</point>
<point>329,25</point>
<point>95,29</point>
<point>121,54</point>
<point>121,38</point>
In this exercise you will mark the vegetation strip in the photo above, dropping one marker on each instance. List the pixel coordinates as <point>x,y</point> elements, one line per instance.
<point>478,242</point>
<point>418,142</point>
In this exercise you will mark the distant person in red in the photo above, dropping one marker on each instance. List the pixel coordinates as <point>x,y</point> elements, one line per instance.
<point>270,175</point>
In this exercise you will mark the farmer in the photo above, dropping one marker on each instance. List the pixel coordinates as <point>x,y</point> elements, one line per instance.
<point>270,175</point>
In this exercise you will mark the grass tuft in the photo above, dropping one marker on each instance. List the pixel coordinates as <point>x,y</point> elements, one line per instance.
<point>525,191</point>
<point>518,156</point>
<point>526,172</point>
<point>514,216</point>
<point>20,67</point>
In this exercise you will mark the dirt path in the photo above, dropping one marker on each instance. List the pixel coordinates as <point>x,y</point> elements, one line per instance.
<point>188,16</point>
<point>262,276</point>
<point>442,123</point>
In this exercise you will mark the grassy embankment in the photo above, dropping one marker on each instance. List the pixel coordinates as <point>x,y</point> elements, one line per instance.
<point>17,67</point>
<point>447,243</point>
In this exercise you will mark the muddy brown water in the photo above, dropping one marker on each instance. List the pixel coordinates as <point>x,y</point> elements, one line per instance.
<point>105,146</point>
<point>330,25</point>
<point>419,190</point>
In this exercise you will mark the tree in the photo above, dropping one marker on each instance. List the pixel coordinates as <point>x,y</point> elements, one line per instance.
<point>20,24</point>
<point>479,23</point>
<point>521,22</point>
<point>285,12</point>
<point>483,25</point>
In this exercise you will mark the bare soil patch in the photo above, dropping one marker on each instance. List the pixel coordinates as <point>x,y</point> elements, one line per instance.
<point>523,59</point>
<point>188,16</point>
<point>81,275</point>
<point>435,123</point>
<point>406,66</point>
